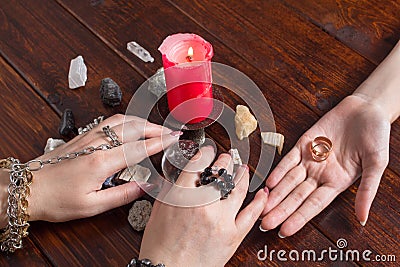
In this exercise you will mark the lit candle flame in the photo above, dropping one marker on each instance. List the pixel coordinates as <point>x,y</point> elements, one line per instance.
<point>190,52</point>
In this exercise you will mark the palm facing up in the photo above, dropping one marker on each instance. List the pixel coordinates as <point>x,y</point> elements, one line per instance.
<point>302,187</point>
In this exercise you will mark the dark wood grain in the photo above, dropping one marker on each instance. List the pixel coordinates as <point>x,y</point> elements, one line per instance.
<point>371,28</point>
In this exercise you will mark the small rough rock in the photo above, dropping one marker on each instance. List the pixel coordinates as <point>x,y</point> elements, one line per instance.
<point>53,144</point>
<point>139,214</point>
<point>67,123</point>
<point>157,85</point>
<point>110,92</point>
<point>274,139</point>
<point>77,75</point>
<point>235,156</point>
<point>135,173</point>
<point>245,122</point>
<point>139,51</point>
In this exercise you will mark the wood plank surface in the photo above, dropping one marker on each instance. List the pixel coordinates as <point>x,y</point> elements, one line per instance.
<point>302,70</point>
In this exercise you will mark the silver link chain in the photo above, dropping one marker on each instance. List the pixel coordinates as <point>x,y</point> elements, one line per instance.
<point>38,164</point>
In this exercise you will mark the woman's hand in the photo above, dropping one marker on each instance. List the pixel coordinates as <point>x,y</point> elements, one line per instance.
<point>201,236</point>
<point>302,187</point>
<point>71,189</point>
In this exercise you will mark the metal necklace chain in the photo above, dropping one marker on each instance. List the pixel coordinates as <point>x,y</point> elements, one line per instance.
<point>37,164</point>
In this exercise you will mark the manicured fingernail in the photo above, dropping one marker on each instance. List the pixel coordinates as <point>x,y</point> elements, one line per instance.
<point>262,229</point>
<point>363,223</point>
<point>266,190</point>
<point>280,235</point>
<point>176,133</point>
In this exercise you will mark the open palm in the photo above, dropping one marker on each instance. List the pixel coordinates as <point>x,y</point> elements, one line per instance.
<point>302,187</point>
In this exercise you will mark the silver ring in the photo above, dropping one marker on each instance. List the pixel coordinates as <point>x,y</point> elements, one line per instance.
<point>112,135</point>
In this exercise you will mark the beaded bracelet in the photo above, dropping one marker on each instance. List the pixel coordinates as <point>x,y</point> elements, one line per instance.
<point>135,262</point>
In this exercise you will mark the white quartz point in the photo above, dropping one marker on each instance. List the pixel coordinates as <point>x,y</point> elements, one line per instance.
<point>273,139</point>
<point>235,156</point>
<point>53,144</point>
<point>135,173</point>
<point>139,51</point>
<point>77,75</point>
<point>245,122</point>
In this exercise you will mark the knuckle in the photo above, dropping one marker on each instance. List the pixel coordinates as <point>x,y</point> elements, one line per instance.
<point>297,196</point>
<point>125,197</point>
<point>316,202</point>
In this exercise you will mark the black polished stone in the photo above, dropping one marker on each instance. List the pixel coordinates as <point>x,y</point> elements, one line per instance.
<point>67,123</point>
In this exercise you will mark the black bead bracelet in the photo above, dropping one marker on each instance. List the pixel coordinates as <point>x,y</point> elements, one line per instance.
<point>135,262</point>
<point>225,186</point>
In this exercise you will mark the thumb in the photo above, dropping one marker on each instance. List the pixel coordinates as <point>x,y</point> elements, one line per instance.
<point>119,195</point>
<point>249,215</point>
<point>366,192</point>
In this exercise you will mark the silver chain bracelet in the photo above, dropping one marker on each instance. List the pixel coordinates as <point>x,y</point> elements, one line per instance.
<point>18,189</point>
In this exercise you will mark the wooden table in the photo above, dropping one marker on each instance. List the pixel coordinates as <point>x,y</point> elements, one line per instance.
<point>305,55</point>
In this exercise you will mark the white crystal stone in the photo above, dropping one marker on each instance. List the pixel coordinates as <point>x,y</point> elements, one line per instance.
<point>139,51</point>
<point>235,156</point>
<point>53,144</point>
<point>77,75</point>
<point>274,139</point>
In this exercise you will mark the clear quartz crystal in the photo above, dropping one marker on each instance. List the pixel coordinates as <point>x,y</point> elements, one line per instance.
<point>77,73</point>
<point>139,51</point>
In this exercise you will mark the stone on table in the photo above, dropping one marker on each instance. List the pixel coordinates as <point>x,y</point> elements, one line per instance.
<point>245,122</point>
<point>77,75</point>
<point>139,51</point>
<point>67,123</point>
<point>139,214</point>
<point>110,92</point>
<point>52,144</point>
<point>157,85</point>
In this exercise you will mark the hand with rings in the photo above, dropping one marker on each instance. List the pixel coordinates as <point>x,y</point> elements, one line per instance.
<point>210,233</point>
<point>350,141</point>
<point>70,189</point>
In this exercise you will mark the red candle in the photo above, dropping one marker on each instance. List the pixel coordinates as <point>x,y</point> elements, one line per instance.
<point>187,68</point>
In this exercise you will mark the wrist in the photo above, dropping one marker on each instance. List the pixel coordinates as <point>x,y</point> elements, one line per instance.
<point>378,104</point>
<point>4,182</point>
<point>382,87</point>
